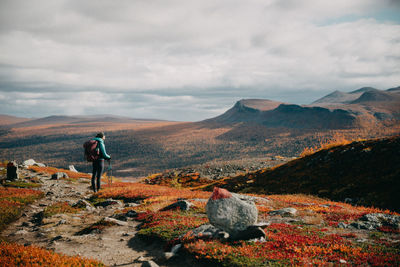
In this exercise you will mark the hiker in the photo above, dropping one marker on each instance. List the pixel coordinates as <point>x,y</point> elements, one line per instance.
<point>98,164</point>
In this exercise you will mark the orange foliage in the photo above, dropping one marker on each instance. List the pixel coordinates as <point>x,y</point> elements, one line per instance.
<point>18,255</point>
<point>52,170</point>
<point>336,140</point>
<point>142,191</point>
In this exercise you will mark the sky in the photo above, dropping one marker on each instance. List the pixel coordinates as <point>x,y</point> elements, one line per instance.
<point>189,60</point>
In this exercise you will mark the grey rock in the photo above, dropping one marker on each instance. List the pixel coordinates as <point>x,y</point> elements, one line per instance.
<point>208,231</point>
<point>169,255</point>
<point>115,221</point>
<point>176,248</point>
<point>29,162</point>
<point>21,232</point>
<point>284,212</point>
<point>72,168</point>
<point>181,204</point>
<point>373,221</point>
<point>342,225</point>
<point>251,232</point>
<point>149,264</point>
<point>131,205</point>
<point>61,222</point>
<point>230,214</point>
<point>59,175</point>
<point>110,202</point>
<point>84,204</point>
<point>39,164</point>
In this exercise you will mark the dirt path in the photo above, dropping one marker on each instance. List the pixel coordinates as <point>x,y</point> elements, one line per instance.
<point>117,245</point>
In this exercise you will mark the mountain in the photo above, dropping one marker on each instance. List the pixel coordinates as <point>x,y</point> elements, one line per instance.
<point>367,172</point>
<point>338,110</point>
<point>276,114</point>
<point>251,129</point>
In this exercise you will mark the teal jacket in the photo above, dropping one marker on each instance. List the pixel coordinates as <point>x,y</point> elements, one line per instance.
<point>103,153</point>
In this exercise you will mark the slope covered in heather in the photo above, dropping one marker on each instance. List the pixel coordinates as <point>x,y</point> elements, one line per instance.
<point>367,172</point>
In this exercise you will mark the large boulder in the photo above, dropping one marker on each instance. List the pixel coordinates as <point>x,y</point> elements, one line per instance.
<point>230,213</point>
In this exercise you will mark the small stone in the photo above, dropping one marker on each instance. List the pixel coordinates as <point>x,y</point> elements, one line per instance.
<point>110,202</point>
<point>39,164</point>
<point>149,264</point>
<point>284,212</point>
<point>62,222</point>
<point>72,168</point>
<point>181,204</point>
<point>59,175</point>
<point>342,261</point>
<point>176,248</point>
<point>21,232</point>
<point>342,225</point>
<point>168,255</point>
<point>117,222</point>
<point>29,162</point>
<point>141,258</point>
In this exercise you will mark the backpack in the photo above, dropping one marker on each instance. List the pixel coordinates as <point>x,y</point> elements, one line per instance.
<point>92,153</point>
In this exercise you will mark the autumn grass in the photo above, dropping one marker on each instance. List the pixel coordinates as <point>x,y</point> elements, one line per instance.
<point>336,140</point>
<point>18,255</point>
<point>52,170</point>
<point>312,238</point>
<point>59,208</point>
<point>13,201</point>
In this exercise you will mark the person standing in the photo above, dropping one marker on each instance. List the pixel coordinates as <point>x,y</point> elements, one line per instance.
<point>98,164</point>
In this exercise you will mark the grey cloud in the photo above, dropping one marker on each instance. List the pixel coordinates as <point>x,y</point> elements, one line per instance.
<point>188,54</point>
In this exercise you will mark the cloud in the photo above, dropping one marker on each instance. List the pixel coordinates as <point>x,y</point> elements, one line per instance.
<point>214,52</point>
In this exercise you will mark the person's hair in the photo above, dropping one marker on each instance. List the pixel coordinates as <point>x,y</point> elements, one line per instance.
<point>100,135</point>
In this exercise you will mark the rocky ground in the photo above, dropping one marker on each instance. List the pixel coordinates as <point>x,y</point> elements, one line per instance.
<point>116,245</point>
<point>215,170</point>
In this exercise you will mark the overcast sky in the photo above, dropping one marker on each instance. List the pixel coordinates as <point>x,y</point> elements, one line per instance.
<point>189,60</point>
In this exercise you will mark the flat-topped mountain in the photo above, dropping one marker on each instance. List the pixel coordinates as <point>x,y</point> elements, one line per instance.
<point>338,110</point>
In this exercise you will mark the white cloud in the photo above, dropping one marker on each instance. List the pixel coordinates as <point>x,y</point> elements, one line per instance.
<point>221,48</point>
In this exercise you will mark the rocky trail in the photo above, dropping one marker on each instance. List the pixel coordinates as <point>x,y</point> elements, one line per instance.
<point>116,245</point>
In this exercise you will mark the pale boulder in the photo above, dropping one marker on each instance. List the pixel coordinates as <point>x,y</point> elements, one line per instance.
<point>229,213</point>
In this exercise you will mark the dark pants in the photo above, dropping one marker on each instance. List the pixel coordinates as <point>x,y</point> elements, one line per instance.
<point>98,168</point>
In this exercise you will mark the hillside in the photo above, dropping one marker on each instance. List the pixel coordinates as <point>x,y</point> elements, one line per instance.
<point>251,129</point>
<point>367,172</point>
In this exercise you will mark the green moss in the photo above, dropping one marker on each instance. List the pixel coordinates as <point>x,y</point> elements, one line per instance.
<point>57,208</point>
<point>22,184</point>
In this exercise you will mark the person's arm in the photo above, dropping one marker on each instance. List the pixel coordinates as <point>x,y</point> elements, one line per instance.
<point>103,151</point>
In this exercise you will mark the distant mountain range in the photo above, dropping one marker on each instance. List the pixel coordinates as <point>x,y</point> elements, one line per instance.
<point>338,110</point>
